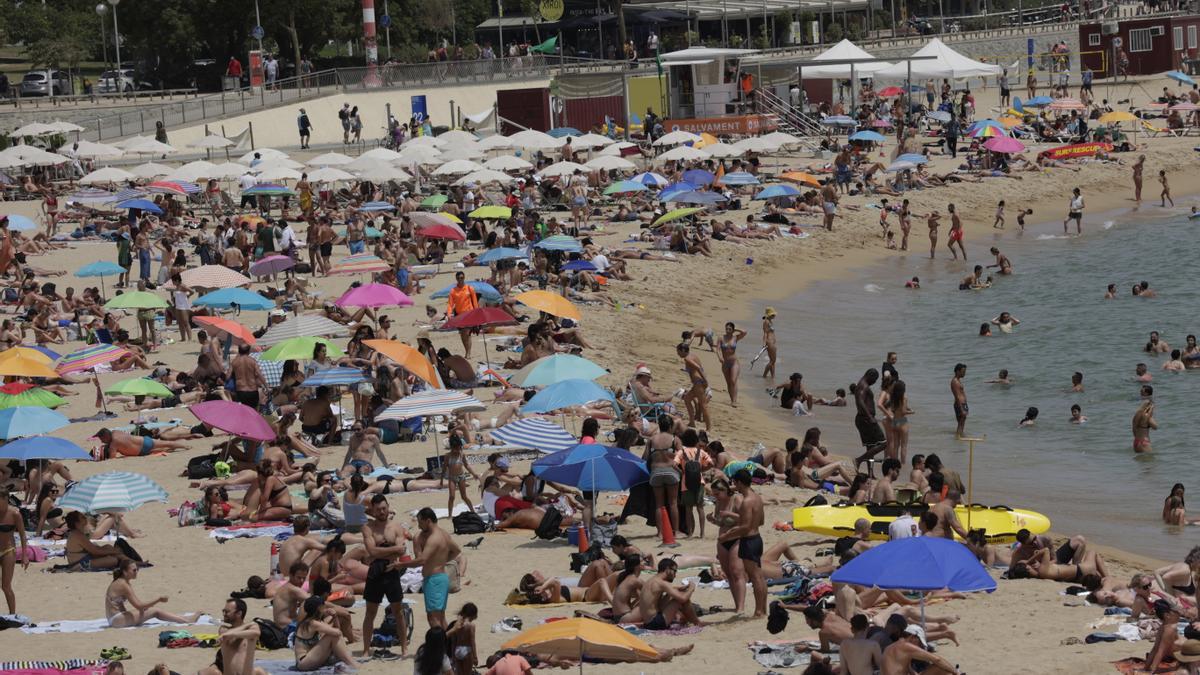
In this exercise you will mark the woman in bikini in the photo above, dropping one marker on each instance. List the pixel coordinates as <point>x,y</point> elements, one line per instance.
<point>725,516</point>
<point>727,351</point>
<point>120,592</point>
<point>11,526</point>
<point>269,496</point>
<point>664,477</point>
<point>1179,579</point>
<point>10,336</point>
<point>318,641</point>
<point>768,331</point>
<point>1143,422</point>
<point>897,414</point>
<point>457,468</point>
<point>540,590</point>
<point>49,517</point>
<point>696,398</point>
<point>81,552</point>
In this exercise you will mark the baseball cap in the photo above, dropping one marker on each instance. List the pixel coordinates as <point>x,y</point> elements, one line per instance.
<point>502,463</point>
<point>642,369</point>
<point>914,629</point>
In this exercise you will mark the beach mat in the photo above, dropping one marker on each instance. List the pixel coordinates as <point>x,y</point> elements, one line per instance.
<point>674,629</point>
<point>80,665</point>
<point>1136,666</point>
<point>517,599</point>
<point>97,625</point>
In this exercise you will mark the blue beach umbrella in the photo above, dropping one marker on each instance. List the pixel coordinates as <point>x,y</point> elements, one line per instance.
<point>140,204</point>
<point>651,179</point>
<point>556,368</point>
<point>1183,78</point>
<point>534,433</point>
<point>559,132</point>
<point>739,178</point>
<point>839,121</point>
<point>913,158</point>
<point>502,253</point>
<point>580,266</point>
<point>593,468</point>
<point>44,447</point>
<point>674,189</point>
<point>19,223</point>
<point>565,394</point>
<point>482,288</point>
<point>917,564</point>
<point>48,352</point>
<point>30,421</point>
<point>102,268</point>
<point>696,197</point>
<point>867,135</point>
<point>112,492</point>
<point>939,115</point>
<point>625,187</point>
<point>1039,101</point>
<point>371,207</point>
<point>334,377</point>
<point>226,298</point>
<point>559,242</point>
<point>1017,105</point>
<point>698,177</point>
<point>774,191</point>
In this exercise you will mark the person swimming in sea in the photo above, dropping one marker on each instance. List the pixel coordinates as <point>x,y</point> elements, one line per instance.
<point>1001,378</point>
<point>1077,382</point>
<point>1175,365</point>
<point>1110,293</point>
<point>1143,421</point>
<point>1003,264</point>
<point>1141,374</point>
<point>1030,417</point>
<point>913,283</point>
<point>985,330</point>
<point>1077,416</point>
<point>1006,322</point>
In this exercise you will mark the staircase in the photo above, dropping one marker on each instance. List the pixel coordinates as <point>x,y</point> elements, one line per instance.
<point>788,119</point>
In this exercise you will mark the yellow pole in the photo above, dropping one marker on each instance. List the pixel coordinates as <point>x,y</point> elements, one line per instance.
<point>971,473</point>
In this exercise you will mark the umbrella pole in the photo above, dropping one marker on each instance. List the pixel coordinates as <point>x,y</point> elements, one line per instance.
<point>971,474</point>
<point>923,608</point>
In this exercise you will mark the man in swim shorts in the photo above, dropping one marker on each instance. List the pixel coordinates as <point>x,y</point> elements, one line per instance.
<point>434,548</point>
<point>385,542</point>
<point>960,398</point>
<point>128,445</point>
<point>869,431</point>
<point>749,541</point>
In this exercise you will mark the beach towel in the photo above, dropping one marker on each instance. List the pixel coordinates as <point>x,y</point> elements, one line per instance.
<point>674,629</point>
<point>97,625</point>
<point>87,670</point>
<point>1136,666</point>
<point>74,666</point>
<point>517,599</point>
<point>458,508</point>
<point>224,534</point>
<point>782,655</point>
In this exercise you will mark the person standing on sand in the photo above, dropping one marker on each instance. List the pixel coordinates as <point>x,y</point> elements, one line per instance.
<point>434,549</point>
<point>1075,212</point>
<point>933,220</point>
<point>956,234</point>
<point>960,398</point>
<point>749,541</point>
<point>869,431</point>
<point>696,398</point>
<point>727,352</point>
<point>1137,178</point>
<point>384,541</point>
<point>829,200</point>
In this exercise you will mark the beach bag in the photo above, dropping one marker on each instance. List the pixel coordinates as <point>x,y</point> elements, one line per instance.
<point>692,473</point>
<point>468,522</point>
<point>271,636</point>
<point>190,513</point>
<point>127,550</point>
<point>204,466</point>
<point>602,533</point>
<point>551,526</point>
<point>388,627</point>
<point>31,553</point>
<point>817,500</point>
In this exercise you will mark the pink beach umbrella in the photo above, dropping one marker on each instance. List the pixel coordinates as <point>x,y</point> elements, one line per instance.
<point>1004,144</point>
<point>272,264</point>
<point>1187,106</point>
<point>882,124</point>
<point>374,295</point>
<point>234,418</point>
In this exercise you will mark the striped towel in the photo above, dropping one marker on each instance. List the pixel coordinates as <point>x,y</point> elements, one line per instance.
<point>69,664</point>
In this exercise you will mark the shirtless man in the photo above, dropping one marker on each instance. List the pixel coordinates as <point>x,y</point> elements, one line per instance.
<point>869,431</point>
<point>237,639</point>
<point>316,418</point>
<point>1075,563</point>
<point>829,200</point>
<point>1003,264</point>
<point>434,548</point>
<point>831,628</point>
<point>122,444</point>
<point>385,544</point>
<point>247,378</point>
<point>233,259</point>
<point>750,544</point>
<point>883,491</point>
<point>300,545</point>
<point>364,442</point>
<point>628,587</point>
<point>899,656</point>
<point>860,655</point>
<point>1028,545</point>
<point>959,393</point>
<point>948,524</point>
<point>661,603</point>
<point>285,606</point>
<point>956,233</point>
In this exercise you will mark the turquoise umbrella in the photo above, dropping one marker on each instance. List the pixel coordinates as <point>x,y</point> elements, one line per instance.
<point>566,394</point>
<point>30,421</point>
<point>112,492</point>
<point>556,368</point>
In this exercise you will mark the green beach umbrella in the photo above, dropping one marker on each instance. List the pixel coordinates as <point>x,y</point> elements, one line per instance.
<point>140,386</point>
<point>677,214</point>
<point>491,212</point>
<point>547,47</point>
<point>434,201</point>
<point>136,300</point>
<point>300,349</point>
<point>21,395</point>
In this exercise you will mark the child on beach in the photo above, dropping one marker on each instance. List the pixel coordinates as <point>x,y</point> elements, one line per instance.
<point>891,241</point>
<point>1077,416</point>
<point>1021,218</point>
<point>999,215</point>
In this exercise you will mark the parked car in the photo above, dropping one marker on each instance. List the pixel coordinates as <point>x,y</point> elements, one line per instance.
<point>46,83</point>
<point>112,83</point>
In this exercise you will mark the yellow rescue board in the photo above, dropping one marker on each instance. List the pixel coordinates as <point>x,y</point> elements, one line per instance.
<point>1000,523</point>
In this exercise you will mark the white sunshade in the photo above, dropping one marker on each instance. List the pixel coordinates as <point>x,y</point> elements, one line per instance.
<point>427,141</point>
<point>64,127</point>
<point>150,170</point>
<point>264,154</point>
<point>507,163</point>
<point>457,166</point>
<point>676,138</point>
<point>108,174</point>
<point>781,139</point>
<point>382,154</point>
<point>276,163</point>
<point>723,150</point>
<point>329,159</point>
<point>458,136</point>
<point>150,146</point>
<point>212,141</point>
<point>564,169</point>
<point>461,152</point>
<point>90,150</point>
<point>33,129</point>
<point>28,155</point>
<point>535,140</point>
<point>756,144</point>
<point>364,163</point>
<point>590,140</point>
<point>683,153</point>
<point>327,174</point>
<point>275,173</point>
<point>616,148</point>
<point>132,140</point>
<point>495,143</point>
<point>946,63</point>
<point>227,170</point>
<point>383,173</point>
<point>841,51</point>
<point>610,163</point>
<point>485,176</point>
<point>420,155</point>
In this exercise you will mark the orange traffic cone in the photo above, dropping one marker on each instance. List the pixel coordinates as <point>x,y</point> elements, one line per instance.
<point>583,539</point>
<point>668,534</point>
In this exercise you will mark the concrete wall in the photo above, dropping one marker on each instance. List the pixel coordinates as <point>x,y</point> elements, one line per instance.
<point>1003,50</point>
<point>277,127</point>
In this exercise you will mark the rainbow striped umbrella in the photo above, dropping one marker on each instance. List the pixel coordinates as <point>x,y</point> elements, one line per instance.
<point>987,131</point>
<point>361,263</point>
<point>174,187</point>
<point>89,357</point>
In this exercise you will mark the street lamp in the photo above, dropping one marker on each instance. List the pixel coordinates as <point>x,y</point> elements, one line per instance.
<point>101,10</point>
<point>117,40</point>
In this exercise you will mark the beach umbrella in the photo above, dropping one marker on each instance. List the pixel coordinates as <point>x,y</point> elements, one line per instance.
<point>677,214</point>
<point>780,138</point>
<point>988,132</point>
<point>839,121</point>
<point>1116,117</point>
<point>149,146</point>
<point>408,357</point>
<point>450,231</point>
<point>272,264</point>
<point>375,207</point>
<point>211,142</point>
<point>506,163</point>
<point>913,157</point>
<point>1005,145</point>
<point>361,263</point>
<point>609,163</point>
<point>676,138</point>
<point>482,288</point>
<point>234,418</point>
<point>900,166</point>
<point>23,394</point>
<point>14,363</point>
<point>739,178</point>
<point>272,370</point>
<point>151,170</point>
<point>550,303</point>
<point>37,353</point>
<point>1009,121</point>
<point>329,175</point>
<point>19,223</point>
<point>1182,78</point>
<point>270,190</point>
<point>535,433</point>
<point>213,276</point>
<point>801,177</point>
<point>1186,106</point>
<point>43,447</point>
<point>625,187</point>
<point>166,187</point>
<point>265,154</point>
<point>484,177</point>
<point>33,129</point>
<point>335,377</point>
<point>868,137</point>
<point>491,212</point>
<point>699,177</point>
<point>683,153</point>
<point>560,242</point>
<point>496,142</point>
<point>500,253</point>
<point>141,205</point>
<point>300,349</point>
<point>431,403</point>
<point>420,155</point>
<point>480,317</point>
<point>651,179</point>
<point>457,136</point>
<point>112,492</point>
<point>1067,104</point>
<point>301,325</point>
<point>674,189</point>
<point>563,169</point>
<point>582,638</point>
<point>30,421</point>
<point>223,326</point>
<point>90,150</point>
<point>140,386</point>
<point>424,141</point>
<point>1039,101</point>
<point>380,154</point>
<point>90,357</point>
<point>889,92</point>
<point>533,140</point>
<point>91,196</point>
<point>227,298</point>
<point>560,132</point>
<point>724,150</point>
<point>457,166</point>
<point>471,152</point>
<point>882,124</point>
<point>591,140</point>
<point>383,174</point>
<point>434,201</point>
<point>556,368</point>
<point>695,197</point>
<point>275,173</point>
<point>985,123</point>
<point>775,191</point>
<point>109,174</point>
<point>136,300</point>
<point>593,468</point>
<point>329,159</point>
<point>580,266</point>
<point>566,394</point>
<point>939,115</point>
<point>374,295</point>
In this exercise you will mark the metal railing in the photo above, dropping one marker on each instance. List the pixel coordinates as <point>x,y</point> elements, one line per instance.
<point>790,120</point>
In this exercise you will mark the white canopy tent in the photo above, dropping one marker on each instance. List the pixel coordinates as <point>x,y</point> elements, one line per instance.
<point>946,63</point>
<point>843,51</point>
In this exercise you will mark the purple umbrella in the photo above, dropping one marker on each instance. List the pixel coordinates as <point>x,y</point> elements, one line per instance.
<point>374,295</point>
<point>234,418</point>
<point>272,264</point>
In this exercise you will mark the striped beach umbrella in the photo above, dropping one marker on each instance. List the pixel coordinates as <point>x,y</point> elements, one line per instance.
<point>536,434</point>
<point>272,264</point>
<point>431,402</point>
<point>90,357</point>
<point>335,377</point>
<point>299,326</point>
<point>92,196</point>
<point>361,263</point>
<point>213,276</point>
<point>174,187</point>
<point>1067,104</point>
<point>112,492</point>
<point>272,370</point>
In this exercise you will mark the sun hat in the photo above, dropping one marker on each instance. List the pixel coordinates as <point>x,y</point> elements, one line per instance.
<point>642,369</point>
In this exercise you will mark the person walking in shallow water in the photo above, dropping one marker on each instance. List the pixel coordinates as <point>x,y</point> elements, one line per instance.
<point>1165,195</point>
<point>1075,212</point>
<point>1137,178</point>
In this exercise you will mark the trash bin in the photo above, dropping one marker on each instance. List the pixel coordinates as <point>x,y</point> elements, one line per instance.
<point>229,83</point>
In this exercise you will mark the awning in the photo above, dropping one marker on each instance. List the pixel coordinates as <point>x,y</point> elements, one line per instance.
<point>513,22</point>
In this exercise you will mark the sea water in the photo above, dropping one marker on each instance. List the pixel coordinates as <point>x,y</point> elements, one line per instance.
<point>1086,478</point>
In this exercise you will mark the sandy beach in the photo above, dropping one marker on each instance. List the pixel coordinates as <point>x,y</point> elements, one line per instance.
<point>1023,622</point>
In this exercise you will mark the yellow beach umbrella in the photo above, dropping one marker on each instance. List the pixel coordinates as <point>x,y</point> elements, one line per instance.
<point>14,363</point>
<point>31,353</point>
<point>802,177</point>
<point>582,638</point>
<point>705,139</point>
<point>677,214</point>
<point>409,357</point>
<point>550,303</point>
<point>1010,122</point>
<point>1116,117</point>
